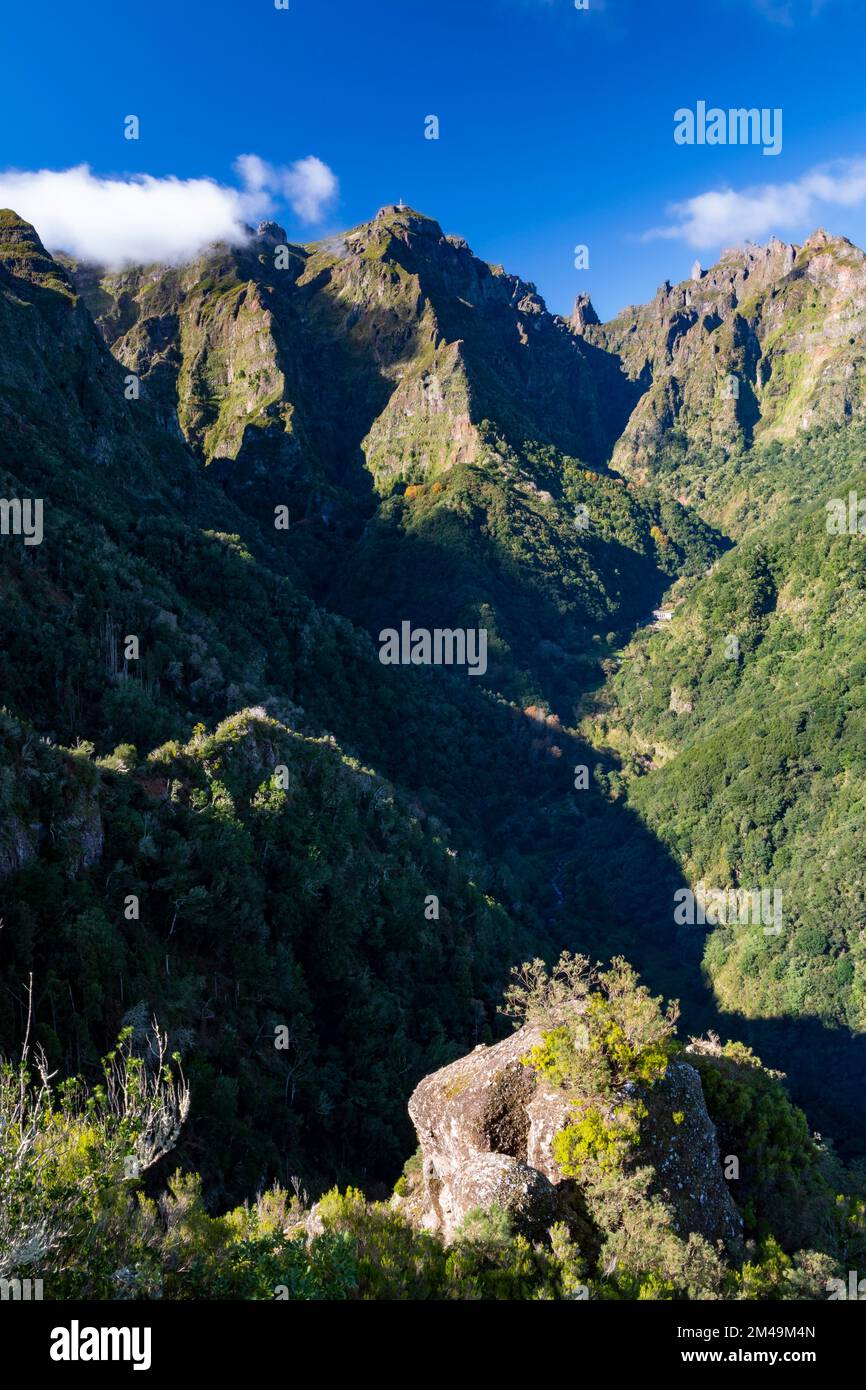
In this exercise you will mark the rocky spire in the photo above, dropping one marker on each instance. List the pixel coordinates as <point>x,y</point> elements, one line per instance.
<point>583,313</point>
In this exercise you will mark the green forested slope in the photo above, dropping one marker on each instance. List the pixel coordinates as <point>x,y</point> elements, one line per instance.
<point>138,777</point>
<point>442,444</point>
<point>751,768</point>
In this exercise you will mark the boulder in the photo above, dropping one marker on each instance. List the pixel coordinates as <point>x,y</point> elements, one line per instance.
<point>486,1126</point>
<point>475,1128</point>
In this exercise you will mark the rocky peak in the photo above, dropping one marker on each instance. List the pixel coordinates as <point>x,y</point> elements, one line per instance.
<point>395,216</point>
<point>272,233</point>
<point>766,315</point>
<point>819,238</point>
<point>16,231</point>
<point>24,256</point>
<point>583,313</point>
<point>833,259</point>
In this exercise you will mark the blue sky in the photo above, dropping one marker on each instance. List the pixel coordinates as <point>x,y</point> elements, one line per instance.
<point>556,124</point>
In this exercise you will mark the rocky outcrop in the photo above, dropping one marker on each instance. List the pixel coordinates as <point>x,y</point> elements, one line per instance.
<point>484,1141</point>
<point>679,1142</point>
<point>679,702</point>
<point>486,1126</point>
<point>86,833</point>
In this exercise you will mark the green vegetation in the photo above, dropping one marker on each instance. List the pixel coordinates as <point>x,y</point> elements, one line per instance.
<point>607,1043</point>
<point>765,766</point>
<point>78,1205</point>
<point>790,1186</point>
<point>315,870</point>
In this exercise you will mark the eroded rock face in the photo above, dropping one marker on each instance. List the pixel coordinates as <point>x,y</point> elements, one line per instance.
<point>487,1123</point>
<point>476,1132</point>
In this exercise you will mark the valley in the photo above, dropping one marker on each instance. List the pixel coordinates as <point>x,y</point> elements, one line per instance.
<point>456,461</point>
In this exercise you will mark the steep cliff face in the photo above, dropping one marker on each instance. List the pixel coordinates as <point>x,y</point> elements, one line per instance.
<point>486,1126</point>
<point>371,360</point>
<point>204,342</point>
<point>393,328</point>
<point>423,417</point>
<point>68,418</point>
<point>764,345</point>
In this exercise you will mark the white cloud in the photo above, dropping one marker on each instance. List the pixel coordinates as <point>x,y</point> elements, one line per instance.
<point>254,172</point>
<point>308,185</point>
<point>140,218</point>
<point>728,216</point>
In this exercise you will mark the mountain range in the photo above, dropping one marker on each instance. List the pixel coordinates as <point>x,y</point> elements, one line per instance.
<point>243,821</point>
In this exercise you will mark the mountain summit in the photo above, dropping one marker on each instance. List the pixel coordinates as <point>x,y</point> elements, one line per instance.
<point>393,328</point>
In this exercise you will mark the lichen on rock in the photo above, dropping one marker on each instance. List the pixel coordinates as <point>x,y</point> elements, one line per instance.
<point>487,1123</point>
